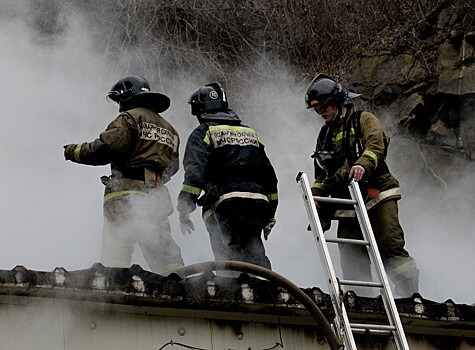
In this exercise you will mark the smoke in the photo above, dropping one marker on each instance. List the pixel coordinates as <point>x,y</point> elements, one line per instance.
<point>53,94</point>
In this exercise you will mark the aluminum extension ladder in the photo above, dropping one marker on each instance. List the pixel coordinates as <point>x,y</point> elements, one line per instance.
<point>344,328</point>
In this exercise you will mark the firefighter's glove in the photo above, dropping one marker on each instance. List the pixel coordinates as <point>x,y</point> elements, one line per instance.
<point>186,202</point>
<point>186,225</point>
<point>268,228</point>
<point>69,152</point>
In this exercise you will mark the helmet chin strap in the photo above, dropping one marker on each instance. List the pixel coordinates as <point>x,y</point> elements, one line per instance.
<point>340,116</point>
<point>341,113</point>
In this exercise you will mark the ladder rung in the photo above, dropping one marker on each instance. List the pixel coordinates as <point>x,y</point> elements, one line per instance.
<point>335,200</point>
<point>360,283</point>
<point>373,332</point>
<point>347,241</point>
<point>373,327</point>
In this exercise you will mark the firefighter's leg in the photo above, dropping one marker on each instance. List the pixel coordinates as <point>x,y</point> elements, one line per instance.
<point>213,226</point>
<point>117,242</point>
<point>240,228</point>
<point>218,239</point>
<point>245,221</point>
<point>159,249</point>
<point>251,232</point>
<point>355,263</point>
<point>400,266</point>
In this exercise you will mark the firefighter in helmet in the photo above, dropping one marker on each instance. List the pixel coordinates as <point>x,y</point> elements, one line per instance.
<point>142,150</point>
<point>227,161</point>
<point>353,145</point>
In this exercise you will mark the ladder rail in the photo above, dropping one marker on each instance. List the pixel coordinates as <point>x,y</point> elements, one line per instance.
<point>377,262</point>
<point>344,328</point>
<point>342,325</point>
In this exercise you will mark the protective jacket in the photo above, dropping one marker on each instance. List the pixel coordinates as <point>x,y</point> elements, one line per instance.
<point>226,159</point>
<point>349,145</point>
<point>137,139</point>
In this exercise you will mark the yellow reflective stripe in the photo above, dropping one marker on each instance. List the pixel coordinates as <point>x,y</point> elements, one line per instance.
<point>112,195</point>
<point>383,195</point>
<point>191,189</point>
<point>249,195</point>
<point>319,185</point>
<point>77,153</point>
<point>372,155</point>
<point>228,135</point>
<point>214,128</point>
<point>341,134</point>
<point>408,265</point>
<point>206,139</point>
<point>273,196</point>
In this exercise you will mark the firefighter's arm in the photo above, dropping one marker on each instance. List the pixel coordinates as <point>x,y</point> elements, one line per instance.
<point>270,182</point>
<point>373,143</point>
<point>111,144</point>
<point>195,161</point>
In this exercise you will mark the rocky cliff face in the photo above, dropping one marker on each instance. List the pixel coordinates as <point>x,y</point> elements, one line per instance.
<point>429,89</point>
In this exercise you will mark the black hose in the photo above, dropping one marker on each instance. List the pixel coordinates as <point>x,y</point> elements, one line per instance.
<point>276,278</point>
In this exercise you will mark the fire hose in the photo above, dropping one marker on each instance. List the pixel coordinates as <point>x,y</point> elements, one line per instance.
<point>272,276</point>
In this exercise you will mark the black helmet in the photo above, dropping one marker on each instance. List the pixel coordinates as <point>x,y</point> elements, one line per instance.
<point>208,98</point>
<point>324,89</point>
<point>134,91</point>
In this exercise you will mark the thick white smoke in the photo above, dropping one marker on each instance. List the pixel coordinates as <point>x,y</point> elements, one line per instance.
<point>53,94</point>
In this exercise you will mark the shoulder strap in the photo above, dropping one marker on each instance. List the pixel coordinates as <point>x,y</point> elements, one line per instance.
<point>355,120</point>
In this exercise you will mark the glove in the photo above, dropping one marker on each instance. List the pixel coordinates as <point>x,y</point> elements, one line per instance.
<point>268,228</point>
<point>69,151</point>
<point>186,202</point>
<point>186,225</point>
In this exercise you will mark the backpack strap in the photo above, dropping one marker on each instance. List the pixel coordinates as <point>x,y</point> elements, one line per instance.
<point>355,121</point>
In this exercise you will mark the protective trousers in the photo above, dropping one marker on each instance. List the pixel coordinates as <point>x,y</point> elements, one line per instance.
<point>235,229</point>
<point>399,265</point>
<point>140,218</point>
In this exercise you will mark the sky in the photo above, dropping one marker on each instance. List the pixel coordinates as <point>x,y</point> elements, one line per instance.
<point>51,209</point>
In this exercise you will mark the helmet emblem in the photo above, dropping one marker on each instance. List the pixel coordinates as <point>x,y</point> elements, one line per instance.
<point>213,95</point>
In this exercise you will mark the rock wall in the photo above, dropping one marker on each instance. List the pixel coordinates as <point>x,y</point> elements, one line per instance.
<point>430,89</point>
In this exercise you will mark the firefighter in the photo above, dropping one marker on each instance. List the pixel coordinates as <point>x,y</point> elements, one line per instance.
<point>353,145</point>
<point>142,149</point>
<point>227,161</point>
